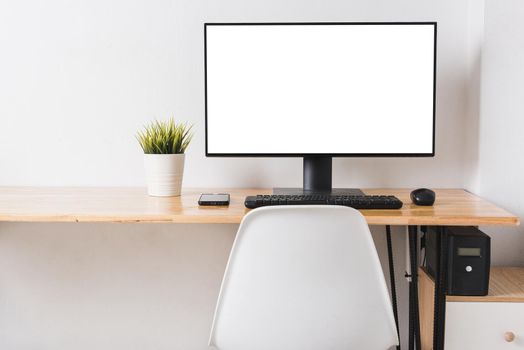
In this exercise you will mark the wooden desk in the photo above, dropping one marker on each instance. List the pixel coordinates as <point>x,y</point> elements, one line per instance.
<point>133,205</point>
<point>98,204</point>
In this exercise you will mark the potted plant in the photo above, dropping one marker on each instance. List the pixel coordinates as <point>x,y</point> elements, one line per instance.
<point>164,144</point>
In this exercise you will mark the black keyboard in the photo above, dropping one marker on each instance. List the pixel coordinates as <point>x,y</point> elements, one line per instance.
<point>357,202</point>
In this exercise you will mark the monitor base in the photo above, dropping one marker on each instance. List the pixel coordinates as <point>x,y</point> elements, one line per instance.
<point>333,191</point>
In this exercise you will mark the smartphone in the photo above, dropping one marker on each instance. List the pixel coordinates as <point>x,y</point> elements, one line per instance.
<point>214,199</point>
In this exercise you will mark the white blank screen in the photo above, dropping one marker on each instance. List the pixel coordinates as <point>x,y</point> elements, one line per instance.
<point>320,89</point>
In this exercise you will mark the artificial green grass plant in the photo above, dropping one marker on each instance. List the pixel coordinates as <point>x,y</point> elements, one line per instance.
<point>165,137</point>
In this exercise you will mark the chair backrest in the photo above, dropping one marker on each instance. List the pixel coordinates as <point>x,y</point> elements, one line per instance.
<point>303,278</point>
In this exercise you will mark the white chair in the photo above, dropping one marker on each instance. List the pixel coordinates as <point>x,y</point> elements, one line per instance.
<point>303,278</point>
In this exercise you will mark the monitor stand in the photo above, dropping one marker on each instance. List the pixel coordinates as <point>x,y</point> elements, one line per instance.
<point>317,179</point>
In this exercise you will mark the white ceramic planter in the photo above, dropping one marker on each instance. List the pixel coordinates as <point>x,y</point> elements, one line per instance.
<point>164,174</point>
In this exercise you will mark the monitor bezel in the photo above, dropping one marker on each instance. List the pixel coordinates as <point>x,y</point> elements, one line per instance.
<point>347,155</point>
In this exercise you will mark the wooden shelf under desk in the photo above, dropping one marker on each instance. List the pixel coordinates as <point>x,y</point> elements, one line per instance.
<point>133,205</point>
<point>506,285</point>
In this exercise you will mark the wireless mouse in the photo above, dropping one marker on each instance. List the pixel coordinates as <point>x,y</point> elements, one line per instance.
<point>423,196</point>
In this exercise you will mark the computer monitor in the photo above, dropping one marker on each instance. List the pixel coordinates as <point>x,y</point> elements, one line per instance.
<point>320,90</point>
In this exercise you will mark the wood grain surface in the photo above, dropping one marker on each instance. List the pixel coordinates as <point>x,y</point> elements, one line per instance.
<point>111,204</point>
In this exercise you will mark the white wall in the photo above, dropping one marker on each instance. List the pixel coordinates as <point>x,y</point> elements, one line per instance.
<point>77,80</point>
<point>100,286</point>
<point>501,162</point>
<point>120,286</point>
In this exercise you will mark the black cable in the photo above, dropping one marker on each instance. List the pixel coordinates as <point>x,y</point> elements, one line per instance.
<point>411,329</point>
<point>423,245</point>
<point>392,280</point>
<point>439,315</point>
<point>413,232</point>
